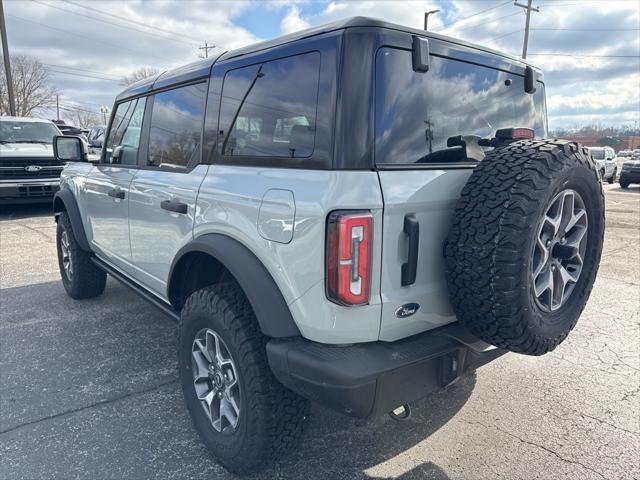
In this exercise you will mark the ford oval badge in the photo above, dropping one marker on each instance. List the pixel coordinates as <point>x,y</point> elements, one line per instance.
<point>407,310</point>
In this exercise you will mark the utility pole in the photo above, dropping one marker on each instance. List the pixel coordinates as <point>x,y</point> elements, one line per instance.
<point>528,9</point>
<point>57,108</point>
<point>7,62</point>
<point>426,18</point>
<point>206,49</point>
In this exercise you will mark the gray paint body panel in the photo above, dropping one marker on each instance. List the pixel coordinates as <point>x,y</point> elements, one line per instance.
<point>229,203</point>
<point>157,234</point>
<point>431,195</point>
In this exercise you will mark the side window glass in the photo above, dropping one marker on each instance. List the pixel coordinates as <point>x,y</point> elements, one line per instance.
<point>269,110</point>
<point>176,127</point>
<point>124,137</point>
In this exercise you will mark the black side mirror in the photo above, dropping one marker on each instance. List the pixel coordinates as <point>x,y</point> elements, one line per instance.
<point>67,148</point>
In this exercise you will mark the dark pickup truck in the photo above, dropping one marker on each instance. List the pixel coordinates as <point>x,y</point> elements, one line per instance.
<point>29,172</point>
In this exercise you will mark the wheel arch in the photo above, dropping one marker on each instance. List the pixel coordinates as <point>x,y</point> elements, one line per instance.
<point>214,255</point>
<point>64,201</point>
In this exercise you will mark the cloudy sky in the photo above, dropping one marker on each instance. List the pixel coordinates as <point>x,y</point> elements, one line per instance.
<point>589,49</point>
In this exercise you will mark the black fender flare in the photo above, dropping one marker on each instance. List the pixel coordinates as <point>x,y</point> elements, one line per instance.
<point>269,306</point>
<point>64,200</point>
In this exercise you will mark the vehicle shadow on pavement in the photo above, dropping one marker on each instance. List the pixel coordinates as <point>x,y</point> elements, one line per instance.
<point>89,388</point>
<point>342,447</point>
<point>11,212</point>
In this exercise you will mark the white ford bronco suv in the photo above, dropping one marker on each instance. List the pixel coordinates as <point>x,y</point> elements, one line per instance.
<point>352,215</point>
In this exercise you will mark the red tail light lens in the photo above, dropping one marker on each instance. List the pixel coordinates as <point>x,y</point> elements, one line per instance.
<point>349,243</point>
<point>514,133</point>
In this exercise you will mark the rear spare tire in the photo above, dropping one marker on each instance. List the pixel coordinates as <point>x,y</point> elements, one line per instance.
<point>525,244</point>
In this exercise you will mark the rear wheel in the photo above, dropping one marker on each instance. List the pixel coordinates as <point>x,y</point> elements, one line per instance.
<point>525,244</point>
<point>612,178</point>
<point>242,413</point>
<point>80,276</point>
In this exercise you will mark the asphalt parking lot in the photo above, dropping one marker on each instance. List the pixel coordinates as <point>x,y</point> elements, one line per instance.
<point>88,389</point>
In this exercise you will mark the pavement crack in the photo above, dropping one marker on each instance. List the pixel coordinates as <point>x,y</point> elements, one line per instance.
<point>87,407</point>
<point>542,447</point>
<point>45,235</point>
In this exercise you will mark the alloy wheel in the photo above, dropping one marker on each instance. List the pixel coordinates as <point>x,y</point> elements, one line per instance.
<point>215,378</point>
<point>558,254</point>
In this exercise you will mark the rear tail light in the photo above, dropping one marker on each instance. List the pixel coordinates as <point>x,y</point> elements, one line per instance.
<point>349,243</point>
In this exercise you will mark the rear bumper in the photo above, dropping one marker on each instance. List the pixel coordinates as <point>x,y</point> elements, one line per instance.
<point>28,191</point>
<point>367,380</point>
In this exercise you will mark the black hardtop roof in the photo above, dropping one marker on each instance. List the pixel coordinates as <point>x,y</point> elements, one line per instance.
<point>201,68</point>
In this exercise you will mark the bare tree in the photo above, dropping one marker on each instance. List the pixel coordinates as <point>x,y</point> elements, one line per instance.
<point>82,118</point>
<point>139,74</point>
<point>31,86</point>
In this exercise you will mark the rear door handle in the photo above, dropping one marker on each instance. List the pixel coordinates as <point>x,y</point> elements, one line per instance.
<point>409,269</point>
<point>173,206</point>
<point>116,193</point>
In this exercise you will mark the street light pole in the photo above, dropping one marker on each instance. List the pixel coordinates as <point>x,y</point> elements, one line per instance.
<point>7,62</point>
<point>104,110</point>
<point>426,17</point>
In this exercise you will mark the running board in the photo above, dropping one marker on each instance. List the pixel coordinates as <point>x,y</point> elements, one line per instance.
<point>141,291</point>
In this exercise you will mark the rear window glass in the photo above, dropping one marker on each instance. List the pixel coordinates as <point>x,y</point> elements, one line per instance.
<point>416,113</point>
<point>269,110</point>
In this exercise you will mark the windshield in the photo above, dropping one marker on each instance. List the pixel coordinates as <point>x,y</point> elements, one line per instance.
<point>597,154</point>
<point>27,132</point>
<point>417,113</point>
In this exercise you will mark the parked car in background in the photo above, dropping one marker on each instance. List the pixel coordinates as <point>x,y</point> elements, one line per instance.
<point>28,170</point>
<point>636,153</point>
<point>70,130</point>
<point>604,158</point>
<point>625,153</point>
<point>630,172</point>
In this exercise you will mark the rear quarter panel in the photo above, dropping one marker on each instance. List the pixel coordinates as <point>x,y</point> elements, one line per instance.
<point>229,203</point>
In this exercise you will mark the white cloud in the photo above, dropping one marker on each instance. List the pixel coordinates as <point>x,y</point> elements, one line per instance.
<point>577,86</point>
<point>292,21</point>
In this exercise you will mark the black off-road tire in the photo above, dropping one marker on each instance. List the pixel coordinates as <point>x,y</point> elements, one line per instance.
<point>612,178</point>
<point>490,245</point>
<point>87,280</point>
<point>624,185</point>
<point>272,418</point>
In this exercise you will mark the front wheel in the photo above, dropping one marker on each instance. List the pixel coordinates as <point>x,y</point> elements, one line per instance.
<point>80,276</point>
<point>624,185</point>
<point>242,413</point>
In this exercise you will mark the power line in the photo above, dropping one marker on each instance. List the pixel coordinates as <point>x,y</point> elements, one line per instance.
<point>83,70</point>
<point>474,14</point>
<point>589,29</point>
<point>505,35</point>
<point>84,36</point>
<point>109,14</point>
<point>74,74</point>
<point>113,23</point>
<point>486,22</point>
<point>579,55</point>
